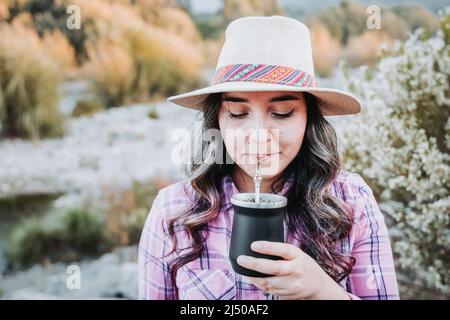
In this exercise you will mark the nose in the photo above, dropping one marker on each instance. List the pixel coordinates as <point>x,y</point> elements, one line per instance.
<point>260,136</point>
<point>259,130</point>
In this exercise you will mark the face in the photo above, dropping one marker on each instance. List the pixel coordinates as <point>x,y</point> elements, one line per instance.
<point>268,126</point>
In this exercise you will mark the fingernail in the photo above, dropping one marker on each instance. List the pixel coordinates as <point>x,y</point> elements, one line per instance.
<point>242,260</point>
<point>256,245</point>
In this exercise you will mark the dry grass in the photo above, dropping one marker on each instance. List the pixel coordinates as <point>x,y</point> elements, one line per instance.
<point>4,11</point>
<point>112,70</point>
<point>139,54</point>
<point>127,210</point>
<point>326,49</point>
<point>29,81</point>
<point>58,47</point>
<point>165,63</point>
<point>211,51</point>
<point>178,22</point>
<point>366,48</point>
<point>135,52</point>
<point>108,20</point>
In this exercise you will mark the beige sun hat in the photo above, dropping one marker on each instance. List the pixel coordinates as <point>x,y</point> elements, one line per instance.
<point>269,54</point>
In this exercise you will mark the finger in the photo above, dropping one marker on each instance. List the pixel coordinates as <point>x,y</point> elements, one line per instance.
<point>293,296</point>
<point>284,294</point>
<point>267,266</point>
<point>277,285</point>
<point>258,282</point>
<point>280,249</point>
<point>272,283</point>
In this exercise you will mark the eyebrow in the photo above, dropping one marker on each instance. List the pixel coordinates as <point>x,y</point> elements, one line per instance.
<point>286,97</point>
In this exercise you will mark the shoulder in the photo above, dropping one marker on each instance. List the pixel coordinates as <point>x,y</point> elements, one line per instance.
<point>182,191</point>
<point>345,176</point>
<point>354,191</point>
<point>170,202</point>
<point>350,186</point>
<point>175,197</point>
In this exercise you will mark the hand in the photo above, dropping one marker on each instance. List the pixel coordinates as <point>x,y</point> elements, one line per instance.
<point>298,276</point>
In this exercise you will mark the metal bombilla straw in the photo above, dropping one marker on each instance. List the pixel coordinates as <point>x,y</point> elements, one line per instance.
<point>257,180</point>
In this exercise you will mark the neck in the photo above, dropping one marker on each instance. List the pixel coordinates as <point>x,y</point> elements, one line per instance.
<point>244,183</point>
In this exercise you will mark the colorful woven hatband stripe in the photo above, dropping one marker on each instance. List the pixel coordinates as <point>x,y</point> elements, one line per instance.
<point>264,73</point>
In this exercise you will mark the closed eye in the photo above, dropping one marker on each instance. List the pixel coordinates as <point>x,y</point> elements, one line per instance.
<point>274,114</point>
<point>237,116</point>
<point>283,115</point>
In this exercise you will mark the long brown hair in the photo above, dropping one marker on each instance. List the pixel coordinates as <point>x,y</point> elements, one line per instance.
<point>321,218</point>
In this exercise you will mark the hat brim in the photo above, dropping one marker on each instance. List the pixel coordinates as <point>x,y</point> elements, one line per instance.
<point>330,101</point>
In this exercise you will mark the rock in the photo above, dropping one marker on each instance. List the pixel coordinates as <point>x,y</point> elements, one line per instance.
<point>112,276</point>
<point>30,294</point>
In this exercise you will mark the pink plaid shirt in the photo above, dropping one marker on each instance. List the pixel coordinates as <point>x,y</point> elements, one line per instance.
<point>211,275</point>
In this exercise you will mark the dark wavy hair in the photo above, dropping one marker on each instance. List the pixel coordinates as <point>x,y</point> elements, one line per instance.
<point>316,218</point>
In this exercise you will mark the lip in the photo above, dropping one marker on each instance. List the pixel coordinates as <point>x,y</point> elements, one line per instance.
<point>261,156</point>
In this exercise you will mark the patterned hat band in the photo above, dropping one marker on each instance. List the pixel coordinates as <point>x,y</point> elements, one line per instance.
<point>264,73</point>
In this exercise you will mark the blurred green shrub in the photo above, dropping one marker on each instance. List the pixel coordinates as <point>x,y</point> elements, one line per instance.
<point>415,17</point>
<point>75,232</point>
<point>83,231</point>
<point>210,27</point>
<point>153,113</point>
<point>86,108</point>
<point>348,19</point>
<point>31,241</point>
<point>78,232</point>
<point>346,24</point>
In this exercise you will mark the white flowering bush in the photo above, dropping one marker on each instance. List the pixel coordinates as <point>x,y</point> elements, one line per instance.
<point>400,144</point>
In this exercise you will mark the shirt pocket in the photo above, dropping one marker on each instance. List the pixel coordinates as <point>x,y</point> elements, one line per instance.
<point>206,284</point>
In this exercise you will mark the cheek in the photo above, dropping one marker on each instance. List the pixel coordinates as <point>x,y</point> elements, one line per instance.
<point>228,132</point>
<point>292,135</point>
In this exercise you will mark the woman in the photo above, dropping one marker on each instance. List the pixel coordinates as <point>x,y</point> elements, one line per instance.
<point>267,107</point>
